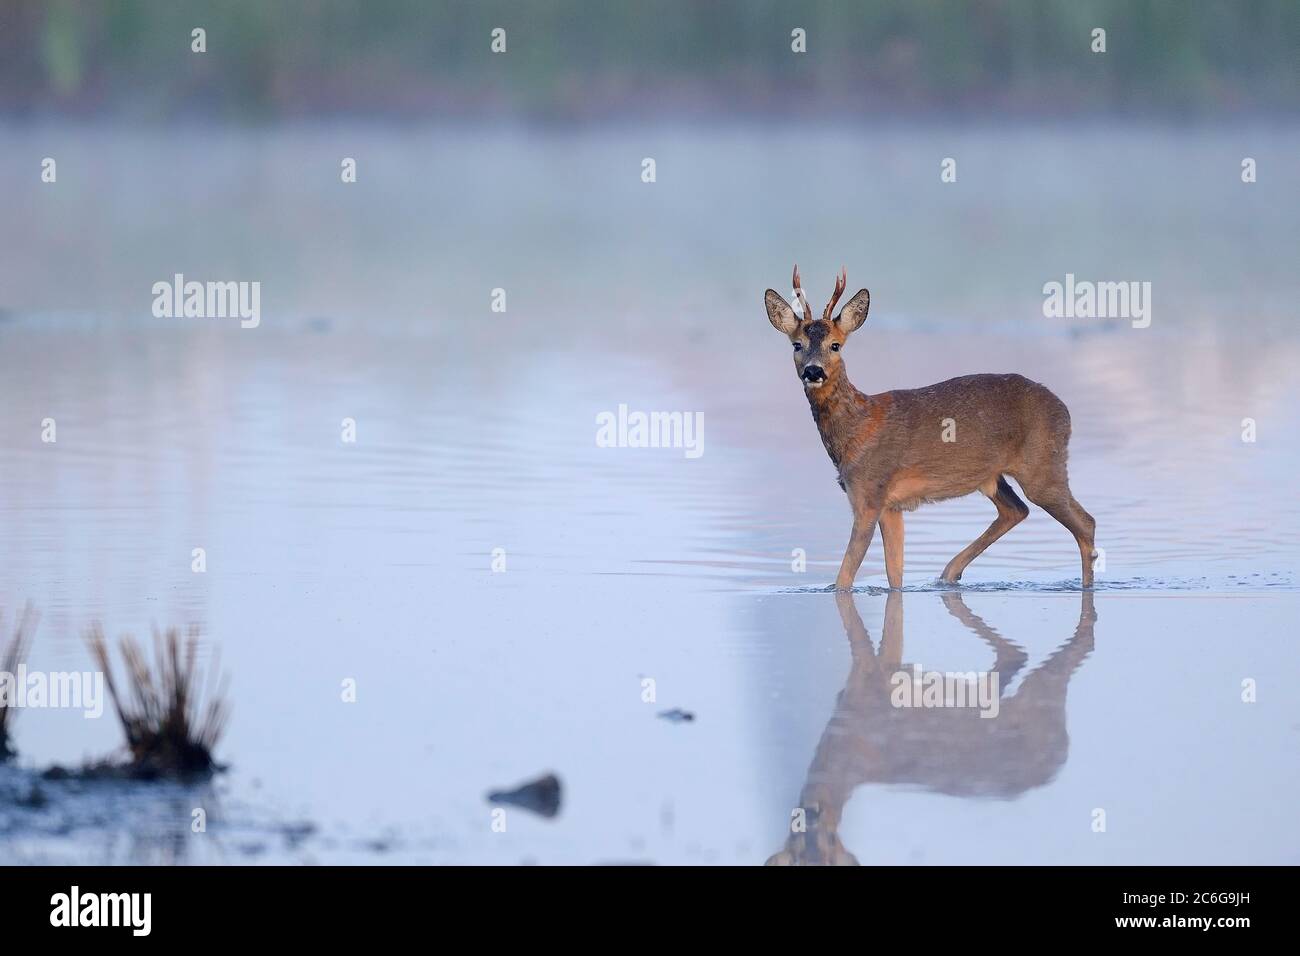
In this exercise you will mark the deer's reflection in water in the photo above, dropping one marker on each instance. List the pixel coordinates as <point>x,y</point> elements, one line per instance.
<point>946,749</point>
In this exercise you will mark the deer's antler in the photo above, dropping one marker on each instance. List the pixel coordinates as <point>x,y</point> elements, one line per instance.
<point>798,292</point>
<point>841,281</point>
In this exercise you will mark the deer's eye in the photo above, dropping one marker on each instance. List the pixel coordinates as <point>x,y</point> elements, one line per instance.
<point>798,346</point>
<point>835,346</point>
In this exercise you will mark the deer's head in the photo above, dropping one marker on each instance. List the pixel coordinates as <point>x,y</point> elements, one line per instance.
<point>817,342</point>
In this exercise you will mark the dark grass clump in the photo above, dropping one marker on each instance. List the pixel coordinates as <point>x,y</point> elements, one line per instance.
<point>170,732</point>
<point>13,653</point>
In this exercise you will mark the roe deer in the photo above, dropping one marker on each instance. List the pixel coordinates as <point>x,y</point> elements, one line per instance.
<point>950,750</point>
<point>890,450</point>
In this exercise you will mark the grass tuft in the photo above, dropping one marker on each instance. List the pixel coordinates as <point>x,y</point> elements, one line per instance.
<point>170,731</point>
<point>13,653</point>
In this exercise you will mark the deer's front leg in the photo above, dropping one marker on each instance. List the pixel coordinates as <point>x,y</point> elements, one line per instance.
<point>891,533</point>
<point>864,527</point>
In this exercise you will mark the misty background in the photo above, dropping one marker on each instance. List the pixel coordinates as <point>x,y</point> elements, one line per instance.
<point>475,429</point>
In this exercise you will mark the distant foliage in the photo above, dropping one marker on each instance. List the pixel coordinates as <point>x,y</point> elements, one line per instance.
<point>584,57</point>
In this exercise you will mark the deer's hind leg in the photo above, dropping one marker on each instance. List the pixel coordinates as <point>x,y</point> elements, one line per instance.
<point>1011,511</point>
<point>1053,496</point>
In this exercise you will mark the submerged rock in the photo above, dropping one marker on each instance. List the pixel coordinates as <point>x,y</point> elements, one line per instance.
<point>677,715</point>
<point>542,796</point>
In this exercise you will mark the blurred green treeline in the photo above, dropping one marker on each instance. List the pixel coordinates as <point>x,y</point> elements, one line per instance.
<point>576,58</point>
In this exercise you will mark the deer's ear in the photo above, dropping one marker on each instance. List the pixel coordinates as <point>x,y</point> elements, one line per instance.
<point>779,313</point>
<point>854,312</point>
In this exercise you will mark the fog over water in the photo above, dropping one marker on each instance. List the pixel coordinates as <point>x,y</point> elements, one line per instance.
<point>476,430</point>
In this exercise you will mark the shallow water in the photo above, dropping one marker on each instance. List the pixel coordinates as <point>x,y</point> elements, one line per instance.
<point>476,431</point>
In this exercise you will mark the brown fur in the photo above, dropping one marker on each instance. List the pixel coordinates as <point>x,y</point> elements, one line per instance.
<point>890,452</point>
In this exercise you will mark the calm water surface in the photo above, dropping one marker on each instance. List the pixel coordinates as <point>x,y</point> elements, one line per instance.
<point>476,431</point>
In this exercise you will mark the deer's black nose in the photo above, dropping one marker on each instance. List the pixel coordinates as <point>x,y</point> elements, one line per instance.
<point>814,373</point>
